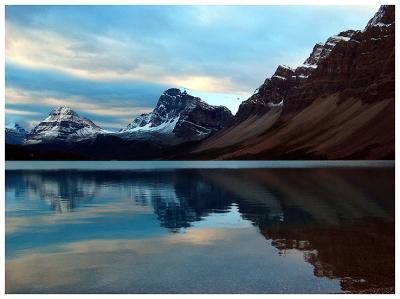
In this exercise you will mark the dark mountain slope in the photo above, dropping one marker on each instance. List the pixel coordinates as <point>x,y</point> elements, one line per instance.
<point>341,108</point>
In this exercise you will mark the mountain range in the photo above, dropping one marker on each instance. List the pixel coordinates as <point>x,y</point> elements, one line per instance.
<point>15,134</point>
<point>339,104</point>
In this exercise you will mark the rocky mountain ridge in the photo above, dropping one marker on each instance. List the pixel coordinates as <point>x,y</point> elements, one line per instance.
<point>338,105</point>
<point>275,90</point>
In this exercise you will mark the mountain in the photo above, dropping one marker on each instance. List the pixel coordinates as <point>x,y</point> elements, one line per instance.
<point>177,122</point>
<point>15,134</point>
<point>338,105</point>
<point>178,117</point>
<point>63,125</point>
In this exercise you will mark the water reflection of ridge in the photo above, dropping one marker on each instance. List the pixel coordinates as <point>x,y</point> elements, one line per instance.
<point>360,254</point>
<point>342,220</point>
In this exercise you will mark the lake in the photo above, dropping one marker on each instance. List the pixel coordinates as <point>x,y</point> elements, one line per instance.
<point>199,227</point>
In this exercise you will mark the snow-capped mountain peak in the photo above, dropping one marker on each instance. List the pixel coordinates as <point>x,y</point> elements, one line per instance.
<point>63,110</point>
<point>178,116</point>
<point>63,124</point>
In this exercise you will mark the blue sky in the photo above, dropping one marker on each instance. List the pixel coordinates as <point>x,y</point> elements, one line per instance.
<point>111,63</point>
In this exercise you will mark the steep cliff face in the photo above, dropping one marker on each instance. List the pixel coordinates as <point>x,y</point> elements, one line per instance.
<point>286,81</point>
<point>361,67</point>
<point>338,105</point>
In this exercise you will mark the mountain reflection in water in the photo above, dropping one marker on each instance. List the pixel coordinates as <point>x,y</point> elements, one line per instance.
<point>341,220</point>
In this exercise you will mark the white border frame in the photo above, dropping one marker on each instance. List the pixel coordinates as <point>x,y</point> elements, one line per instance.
<point>177,2</point>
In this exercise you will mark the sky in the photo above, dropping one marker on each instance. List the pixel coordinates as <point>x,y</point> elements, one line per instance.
<point>112,63</point>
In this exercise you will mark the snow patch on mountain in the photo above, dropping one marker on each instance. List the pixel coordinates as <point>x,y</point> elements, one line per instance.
<point>273,105</point>
<point>165,127</point>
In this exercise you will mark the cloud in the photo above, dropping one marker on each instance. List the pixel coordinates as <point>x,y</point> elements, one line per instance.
<point>107,114</point>
<point>96,57</point>
<point>21,112</point>
<point>67,265</point>
<point>79,104</point>
<point>125,56</point>
<point>53,82</point>
<point>104,102</point>
<point>221,43</point>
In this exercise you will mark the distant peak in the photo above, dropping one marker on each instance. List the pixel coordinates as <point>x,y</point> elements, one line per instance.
<point>14,126</point>
<point>11,125</point>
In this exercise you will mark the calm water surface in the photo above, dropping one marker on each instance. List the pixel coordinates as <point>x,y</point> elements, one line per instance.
<point>313,230</point>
